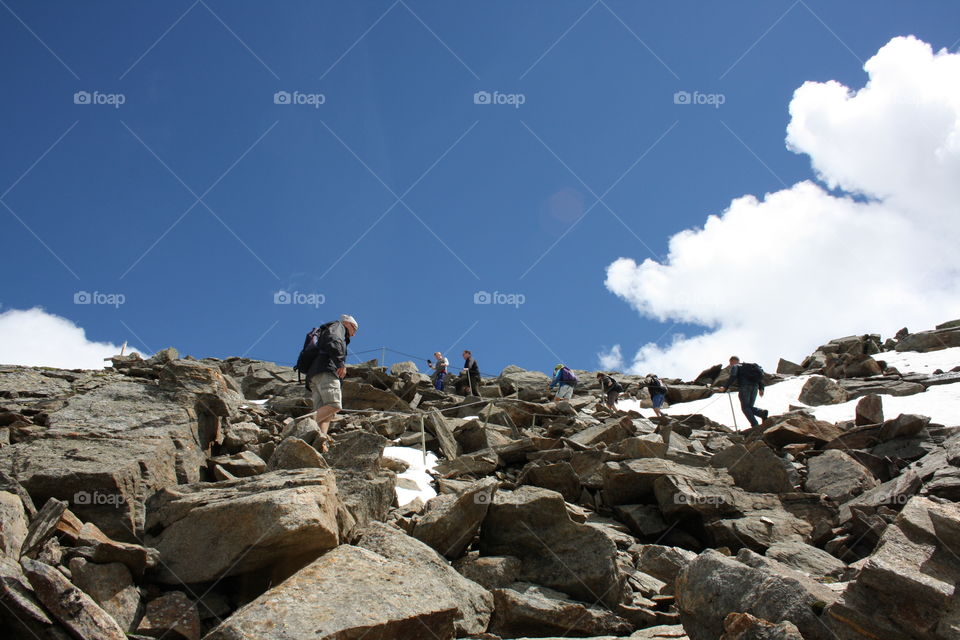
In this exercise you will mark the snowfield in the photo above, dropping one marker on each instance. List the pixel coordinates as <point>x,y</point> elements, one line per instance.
<point>941,403</point>
<point>418,472</point>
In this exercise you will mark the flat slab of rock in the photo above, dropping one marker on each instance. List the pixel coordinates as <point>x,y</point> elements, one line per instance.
<point>347,593</point>
<point>451,522</point>
<point>232,527</point>
<point>525,608</point>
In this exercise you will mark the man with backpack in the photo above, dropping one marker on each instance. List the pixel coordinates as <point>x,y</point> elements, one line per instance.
<point>565,380</point>
<point>439,370</point>
<point>611,388</point>
<point>324,361</point>
<point>658,392</point>
<point>749,379</point>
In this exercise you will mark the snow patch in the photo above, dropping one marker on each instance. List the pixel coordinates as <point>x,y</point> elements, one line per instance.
<point>418,471</point>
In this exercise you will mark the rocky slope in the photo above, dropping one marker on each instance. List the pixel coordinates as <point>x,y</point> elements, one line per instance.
<point>182,498</point>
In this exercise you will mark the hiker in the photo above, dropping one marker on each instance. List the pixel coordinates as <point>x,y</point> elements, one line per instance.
<point>565,380</point>
<point>658,392</point>
<point>328,367</point>
<point>749,379</point>
<point>611,387</point>
<point>439,370</point>
<point>470,375</point>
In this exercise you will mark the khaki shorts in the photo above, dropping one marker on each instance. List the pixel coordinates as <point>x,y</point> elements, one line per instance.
<point>325,388</point>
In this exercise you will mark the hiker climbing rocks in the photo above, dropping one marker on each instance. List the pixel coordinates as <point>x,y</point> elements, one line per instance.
<point>749,379</point>
<point>658,392</point>
<point>611,388</point>
<point>324,361</point>
<point>439,370</point>
<point>470,375</point>
<point>565,380</point>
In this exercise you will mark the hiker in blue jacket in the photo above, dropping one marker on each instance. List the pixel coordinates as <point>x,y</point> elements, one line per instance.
<point>565,380</point>
<point>749,379</point>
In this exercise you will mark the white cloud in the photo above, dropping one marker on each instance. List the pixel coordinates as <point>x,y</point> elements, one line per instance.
<point>33,337</point>
<point>611,360</point>
<point>780,275</point>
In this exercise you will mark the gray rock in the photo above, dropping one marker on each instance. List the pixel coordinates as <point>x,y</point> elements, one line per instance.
<point>607,433</point>
<point>632,481</point>
<point>320,601</point>
<point>21,615</point>
<point>903,426</point>
<point>359,450</point>
<point>171,615</point>
<point>73,608</point>
<point>241,465</point>
<point>490,572</point>
<point>743,626</point>
<point>559,477</point>
<point>525,608</point>
<point>474,603</point>
<point>664,562</point>
<point>209,531</point>
<point>408,366</point>
<point>787,368</point>
<point>820,390</point>
<point>807,559</point>
<point>367,495</point>
<point>869,410</point>
<point>754,468</point>
<point>533,524</point>
<point>838,476</point>
<point>13,525</point>
<point>644,520</point>
<point>713,586</point>
<point>294,453</point>
<point>111,586</point>
<point>451,522</point>
<point>925,341</point>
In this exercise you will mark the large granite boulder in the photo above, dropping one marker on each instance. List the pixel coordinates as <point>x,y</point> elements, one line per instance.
<point>529,609</point>
<point>451,521</point>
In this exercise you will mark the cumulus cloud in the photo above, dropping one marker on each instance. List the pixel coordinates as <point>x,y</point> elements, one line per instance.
<point>611,360</point>
<point>33,337</point>
<point>777,276</point>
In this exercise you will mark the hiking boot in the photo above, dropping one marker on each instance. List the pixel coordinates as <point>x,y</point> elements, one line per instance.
<point>764,413</point>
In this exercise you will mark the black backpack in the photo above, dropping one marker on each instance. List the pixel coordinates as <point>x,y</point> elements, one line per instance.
<point>309,352</point>
<point>751,372</point>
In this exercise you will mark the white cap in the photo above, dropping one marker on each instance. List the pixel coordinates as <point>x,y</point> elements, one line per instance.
<point>350,319</point>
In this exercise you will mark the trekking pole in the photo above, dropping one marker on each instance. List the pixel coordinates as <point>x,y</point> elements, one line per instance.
<point>383,356</point>
<point>423,441</point>
<point>732,412</point>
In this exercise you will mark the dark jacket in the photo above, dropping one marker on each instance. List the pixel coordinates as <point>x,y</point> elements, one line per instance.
<point>656,387</point>
<point>609,384</point>
<point>736,378</point>
<point>333,349</point>
<point>470,364</point>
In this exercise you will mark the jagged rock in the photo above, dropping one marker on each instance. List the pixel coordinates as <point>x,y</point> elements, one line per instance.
<point>838,476</point>
<point>820,390</point>
<point>451,522</point>
<point>208,531</point>
<point>661,632</point>
<point>408,366</point>
<point>559,477</point>
<point>663,562</point>
<point>478,464</point>
<point>435,423</point>
<point>359,450</point>
<point>907,588</point>
<point>754,467</point>
<point>172,615</point>
<point>893,493</point>
<point>677,393</point>
<point>240,435</point>
<point>743,626</point>
<point>526,608</point>
<point>294,453</point>
<point>367,495</point>
<point>643,520</point>
<point>43,526</point>
<point>869,410</point>
<point>713,586</point>
<point>73,608</point>
<point>111,586</point>
<point>925,341</point>
<point>608,433</point>
<point>807,559</point>
<point>632,481</point>
<point>893,387</point>
<point>95,546</point>
<point>534,525</point>
<point>787,368</point>
<point>903,426</point>
<point>13,525</point>
<point>490,572</point>
<point>513,378</point>
<point>321,601</point>
<point>359,395</point>
<point>800,428</point>
<point>241,465</point>
<point>474,603</point>
<point>20,613</point>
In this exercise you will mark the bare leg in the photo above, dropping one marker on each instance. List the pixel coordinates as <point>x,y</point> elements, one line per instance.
<point>325,415</point>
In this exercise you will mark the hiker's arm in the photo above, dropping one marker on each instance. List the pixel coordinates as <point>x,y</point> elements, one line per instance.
<point>335,346</point>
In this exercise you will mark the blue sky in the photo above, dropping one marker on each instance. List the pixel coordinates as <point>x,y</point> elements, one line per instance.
<point>399,198</point>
